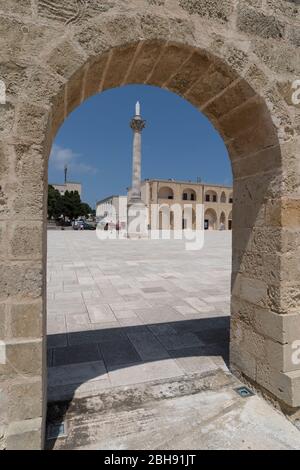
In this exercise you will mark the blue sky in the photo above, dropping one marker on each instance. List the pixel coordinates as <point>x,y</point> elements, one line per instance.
<point>96,142</point>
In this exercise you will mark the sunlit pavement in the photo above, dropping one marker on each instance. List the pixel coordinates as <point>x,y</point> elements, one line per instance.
<point>138,337</point>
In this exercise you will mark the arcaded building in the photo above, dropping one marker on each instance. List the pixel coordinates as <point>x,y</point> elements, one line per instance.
<point>217,201</point>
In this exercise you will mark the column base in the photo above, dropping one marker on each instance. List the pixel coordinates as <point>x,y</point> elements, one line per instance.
<point>137,220</point>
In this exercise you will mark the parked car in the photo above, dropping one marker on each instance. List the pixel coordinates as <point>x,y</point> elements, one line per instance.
<point>88,226</point>
<point>83,225</point>
<point>78,224</point>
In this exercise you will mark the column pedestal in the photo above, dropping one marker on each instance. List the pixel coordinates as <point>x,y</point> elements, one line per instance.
<point>137,220</point>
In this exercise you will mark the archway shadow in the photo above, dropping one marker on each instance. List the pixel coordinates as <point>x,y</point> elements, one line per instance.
<point>132,355</point>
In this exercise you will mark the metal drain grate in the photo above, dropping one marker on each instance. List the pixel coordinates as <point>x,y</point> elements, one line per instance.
<point>55,431</point>
<point>244,392</point>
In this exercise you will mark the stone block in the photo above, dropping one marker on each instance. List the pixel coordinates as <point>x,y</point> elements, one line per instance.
<point>42,86</point>
<point>242,360</point>
<point>251,21</point>
<point>30,168</point>
<point>145,61</point>
<point>251,290</point>
<point>276,382</point>
<point>192,70</point>
<point>94,76</point>
<point>3,240</point>
<point>14,77</point>
<point>284,298</point>
<point>3,316</point>
<point>21,41</point>
<point>75,90</point>
<point>283,213</point>
<point>26,241</point>
<point>58,113</point>
<point>32,122</point>
<point>21,7</point>
<point>283,357</point>
<point>23,357</point>
<point>25,435</point>
<point>118,66</point>
<point>58,63</point>
<point>215,10</point>
<point>279,57</point>
<point>26,320</point>
<point>154,26</point>
<point>7,117</point>
<point>217,78</point>
<point>232,97</point>
<point>287,8</point>
<point>264,161</point>
<point>171,60</point>
<point>25,399</point>
<point>93,39</point>
<point>21,280</point>
<point>248,119</point>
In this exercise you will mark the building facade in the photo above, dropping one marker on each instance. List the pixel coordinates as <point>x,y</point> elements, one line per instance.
<point>216,199</point>
<point>113,211</point>
<point>69,186</point>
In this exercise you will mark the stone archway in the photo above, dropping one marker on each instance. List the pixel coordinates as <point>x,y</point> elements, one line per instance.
<point>223,197</point>
<point>229,221</point>
<point>232,63</point>
<point>166,193</point>
<point>222,222</point>
<point>210,219</point>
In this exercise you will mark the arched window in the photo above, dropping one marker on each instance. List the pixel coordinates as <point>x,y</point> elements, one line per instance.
<point>166,193</point>
<point>211,196</point>
<point>189,195</point>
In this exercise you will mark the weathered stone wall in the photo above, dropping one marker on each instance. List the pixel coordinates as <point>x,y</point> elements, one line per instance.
<point>236,62</point>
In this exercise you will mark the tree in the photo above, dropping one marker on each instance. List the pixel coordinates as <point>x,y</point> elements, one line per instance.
<point>72,204</point>
<point>86,210</point>
<point>55,203</point>
<point>69,205</point>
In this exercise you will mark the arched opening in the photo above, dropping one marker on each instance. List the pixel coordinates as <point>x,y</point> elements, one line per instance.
<point>223,198</point>
<point>230,199</point>
<point>166,218</point>
<point>230,221</point>
<point>211,196</point>
<point>189,219</point>
<point>243,118</point>
<point>222,224</point>
<point>189,195</point>
<point>166,193</point>
<point>210,219</point>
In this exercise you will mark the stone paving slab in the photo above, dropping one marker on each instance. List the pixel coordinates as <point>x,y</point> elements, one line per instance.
<point>195,412</point>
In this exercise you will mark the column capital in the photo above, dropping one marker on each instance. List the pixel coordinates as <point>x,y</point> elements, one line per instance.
<point>137,124</point>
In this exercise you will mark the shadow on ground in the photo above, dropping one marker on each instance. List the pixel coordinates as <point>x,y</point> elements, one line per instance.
<point>173,349</point>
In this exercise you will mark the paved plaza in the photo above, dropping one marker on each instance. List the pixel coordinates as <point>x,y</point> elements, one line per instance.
<point>138,337</point>
<point>125,312</point>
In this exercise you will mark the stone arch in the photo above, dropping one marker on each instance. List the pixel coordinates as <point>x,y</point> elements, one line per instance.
<point>211,196</point>
<point>223,198</point>
<point>222,222</point>
<point>166,193</point>
<point>189,194</point>
<point>229,221</point>
<point>189,218</point>
<point>210,219</point>
<point>240,84</point>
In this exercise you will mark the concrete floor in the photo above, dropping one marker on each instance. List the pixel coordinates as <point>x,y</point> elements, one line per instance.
<point>138,335</point>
